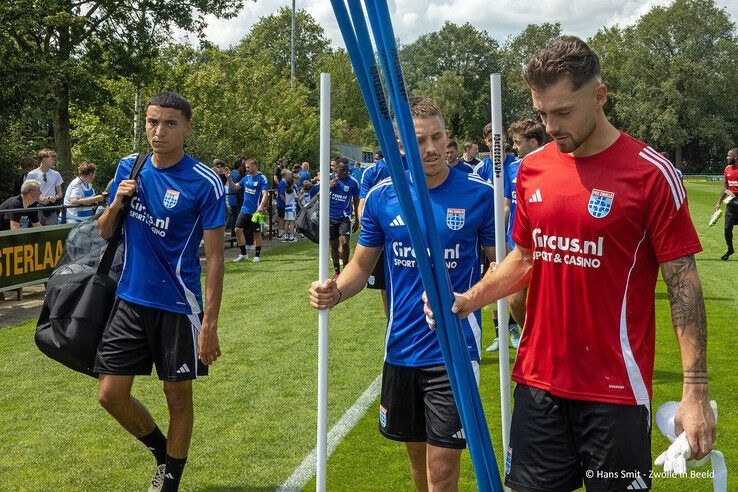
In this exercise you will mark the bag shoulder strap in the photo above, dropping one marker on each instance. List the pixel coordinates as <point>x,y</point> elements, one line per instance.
<point>107,258</point>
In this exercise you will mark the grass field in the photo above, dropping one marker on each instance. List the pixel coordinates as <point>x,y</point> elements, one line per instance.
<point>255,414</point>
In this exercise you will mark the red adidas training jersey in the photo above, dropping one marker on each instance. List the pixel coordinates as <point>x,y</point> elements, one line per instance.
<point>731,178</point>
<point>598,227</point>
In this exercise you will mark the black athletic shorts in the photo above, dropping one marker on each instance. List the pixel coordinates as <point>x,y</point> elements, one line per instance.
<point>340,227</point>
<point>249,227</point>
<point>376,279</point>
<point>731,213</point>
<point>137,337</point>
<point>417,405</point>
<point>556,442</point>
<point>280,212</point>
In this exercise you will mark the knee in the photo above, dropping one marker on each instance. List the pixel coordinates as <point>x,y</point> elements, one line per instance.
<point>110,398</point>
<point>441,473</point>
<point>179,397</point>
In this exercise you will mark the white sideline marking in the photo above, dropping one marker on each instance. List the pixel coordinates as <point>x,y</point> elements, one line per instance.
<point>306,470</point>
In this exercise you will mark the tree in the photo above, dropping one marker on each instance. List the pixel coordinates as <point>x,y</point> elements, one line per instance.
<point>675,83</point>
<point>467,52</point>
<point>51,36</point>
<point>516,101</point>
<point>269,43</point>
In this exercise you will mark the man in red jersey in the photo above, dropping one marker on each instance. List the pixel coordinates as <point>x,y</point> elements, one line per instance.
<point>731,208</point>
<point>598,214</point>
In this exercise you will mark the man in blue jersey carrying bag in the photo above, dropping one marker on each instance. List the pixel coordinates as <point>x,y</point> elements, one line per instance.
<point>417,405</point>
<point>158,317</point>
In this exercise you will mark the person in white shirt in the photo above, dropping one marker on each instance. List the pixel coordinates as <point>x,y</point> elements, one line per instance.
<point>80,192</point>
<point>51,181</point>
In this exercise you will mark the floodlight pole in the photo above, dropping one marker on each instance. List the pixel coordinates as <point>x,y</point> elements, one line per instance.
<point>497,153</point>
<point>292,47</point>
<point>323,246</point>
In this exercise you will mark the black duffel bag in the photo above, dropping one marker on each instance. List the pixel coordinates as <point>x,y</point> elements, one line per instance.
<point>81,291</point>
<point>308,220</point>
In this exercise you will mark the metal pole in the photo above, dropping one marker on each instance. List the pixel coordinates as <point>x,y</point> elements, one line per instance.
<point>325,160</point>
<point>292,47</point>
<point>497,153</point>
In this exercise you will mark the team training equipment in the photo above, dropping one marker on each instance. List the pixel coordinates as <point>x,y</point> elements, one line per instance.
<point>323,234</point>
<point>676,458</point>
<point>422,228</point>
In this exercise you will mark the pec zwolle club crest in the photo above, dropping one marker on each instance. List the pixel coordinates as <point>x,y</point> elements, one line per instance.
<point>170,198</point>
<point>455,218</point>
<point>600,203</point>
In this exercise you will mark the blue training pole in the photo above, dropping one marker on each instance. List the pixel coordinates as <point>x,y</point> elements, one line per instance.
<point>362,58</point>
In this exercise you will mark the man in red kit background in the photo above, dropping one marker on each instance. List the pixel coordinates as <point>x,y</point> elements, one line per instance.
<point>599,213</point>
<point>730,185</point>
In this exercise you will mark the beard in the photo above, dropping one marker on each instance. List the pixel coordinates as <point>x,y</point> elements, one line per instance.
<point>572,143</point>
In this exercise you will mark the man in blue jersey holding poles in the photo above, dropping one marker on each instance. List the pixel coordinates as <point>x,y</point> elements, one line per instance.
<point>417,404</point>
<point>255,195</point>
<point>158,317</point>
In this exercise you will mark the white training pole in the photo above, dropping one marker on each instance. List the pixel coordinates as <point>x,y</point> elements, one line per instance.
<point>498,156</point>
<point>323,247</point>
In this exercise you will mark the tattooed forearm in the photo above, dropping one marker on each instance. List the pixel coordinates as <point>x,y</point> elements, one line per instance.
<point>688,316</point>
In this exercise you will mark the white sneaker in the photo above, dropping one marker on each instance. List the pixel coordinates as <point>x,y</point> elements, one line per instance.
<point>158,481</point>
<point>241,258</point>
<point>256,259</point>
<point>495,345</point>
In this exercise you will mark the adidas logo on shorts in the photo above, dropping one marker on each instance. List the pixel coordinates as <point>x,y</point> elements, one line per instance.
<point>184,369</point>
<point>638,484</point>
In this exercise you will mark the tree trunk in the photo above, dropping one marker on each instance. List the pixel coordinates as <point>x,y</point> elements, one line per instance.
<point>62,132</point>
<point>62,126</point>
<point>678,157</point>
<point>137,117</point>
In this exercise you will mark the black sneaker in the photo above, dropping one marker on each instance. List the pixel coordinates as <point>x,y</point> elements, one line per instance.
<point>727,255</point>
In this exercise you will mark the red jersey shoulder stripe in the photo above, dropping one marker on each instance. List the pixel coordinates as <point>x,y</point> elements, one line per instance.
<point>667,169</point>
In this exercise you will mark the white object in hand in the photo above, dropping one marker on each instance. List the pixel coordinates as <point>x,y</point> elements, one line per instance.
<point>715,217</point>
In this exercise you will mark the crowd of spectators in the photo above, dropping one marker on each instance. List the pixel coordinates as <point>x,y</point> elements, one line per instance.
<point>39,185</point>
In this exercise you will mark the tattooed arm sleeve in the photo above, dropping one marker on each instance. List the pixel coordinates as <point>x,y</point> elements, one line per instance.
<point>688,317</point>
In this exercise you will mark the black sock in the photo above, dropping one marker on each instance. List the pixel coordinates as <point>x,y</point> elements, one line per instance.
<point>337,268</point>
<point>497,331</point>
<point>729,238</point>
<point>173,473</point>
<point>243,250</point>
<point>258,251</point>
<point>157,444</point>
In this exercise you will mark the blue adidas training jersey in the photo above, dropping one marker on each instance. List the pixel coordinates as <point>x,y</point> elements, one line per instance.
<point>341,196</point>
<point>511,179</point>
<point>252,188</point>
<point>163,229</point>
<point>373,175</point>
<point>486,169</point>
<point>463,208</point>
<point>281,187</point>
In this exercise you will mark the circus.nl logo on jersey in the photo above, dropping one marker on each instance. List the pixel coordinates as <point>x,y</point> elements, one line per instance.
<point>170,198</point>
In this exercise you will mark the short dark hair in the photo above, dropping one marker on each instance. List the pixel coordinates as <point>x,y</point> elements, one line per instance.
<point>86,168</point>
<point>168,99</point>
<point>452,143</point>
<point>468,145</point>
<point>528,129</point>
<point>566,57</point>
<point>342,160</point>
<point>425,107</point>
